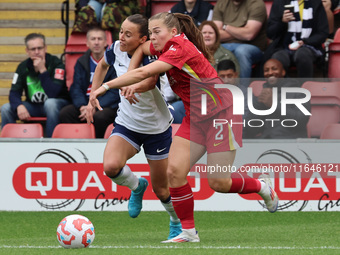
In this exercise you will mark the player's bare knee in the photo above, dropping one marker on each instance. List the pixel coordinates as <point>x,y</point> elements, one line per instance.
<point>161,193</point>
<point>112,168</point>
<point>220,185</point>
<point>172,175</point>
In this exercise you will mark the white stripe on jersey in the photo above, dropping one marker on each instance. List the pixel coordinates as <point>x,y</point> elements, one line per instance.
<point>151,114</point>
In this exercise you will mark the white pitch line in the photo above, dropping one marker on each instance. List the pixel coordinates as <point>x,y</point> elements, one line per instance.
<point>180,247</point>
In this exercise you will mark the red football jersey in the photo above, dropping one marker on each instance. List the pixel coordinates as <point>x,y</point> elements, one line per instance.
<point>190,66</point>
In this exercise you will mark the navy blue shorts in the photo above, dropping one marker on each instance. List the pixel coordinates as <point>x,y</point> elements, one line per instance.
<point>156,147</point>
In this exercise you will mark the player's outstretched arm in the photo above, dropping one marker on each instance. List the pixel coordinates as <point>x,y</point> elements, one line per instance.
<point>140,87</point>
<point>98,78</point>
<point>137,57</point>
<point>129,78</point>
<point>132,77</point>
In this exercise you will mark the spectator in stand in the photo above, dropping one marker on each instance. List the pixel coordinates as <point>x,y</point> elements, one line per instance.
<point>108,14</point>
<point>330,6</point>
<point>41,78</point>
<point>199,10</point>
<point>226,70</point>
<point>296,40</point>
<point>274,74</point>
<point>211,38</point>
<point>241,24</point>
<point>82,82</point>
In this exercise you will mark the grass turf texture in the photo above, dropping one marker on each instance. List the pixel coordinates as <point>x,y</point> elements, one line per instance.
<point>220,233</point>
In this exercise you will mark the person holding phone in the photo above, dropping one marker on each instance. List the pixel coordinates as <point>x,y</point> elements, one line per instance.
<point>298,29</point>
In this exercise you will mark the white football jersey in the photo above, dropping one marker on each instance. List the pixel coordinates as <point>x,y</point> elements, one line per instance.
<point>148,116</point>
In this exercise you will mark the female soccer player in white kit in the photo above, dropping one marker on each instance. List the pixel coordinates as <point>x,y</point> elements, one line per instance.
<point>147,123</point>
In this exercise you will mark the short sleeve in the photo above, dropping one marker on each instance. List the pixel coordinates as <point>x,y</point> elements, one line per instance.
<point>109,55</point>
<point>257,11</point>
<point>217,12</point>
<point>175,55</point>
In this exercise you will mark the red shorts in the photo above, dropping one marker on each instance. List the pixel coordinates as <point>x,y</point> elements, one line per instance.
<point>222,132</point>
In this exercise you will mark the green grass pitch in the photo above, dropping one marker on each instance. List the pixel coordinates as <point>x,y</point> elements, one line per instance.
<point>220,233</point>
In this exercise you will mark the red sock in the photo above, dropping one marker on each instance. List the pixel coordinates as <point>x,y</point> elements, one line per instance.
<point>243,184</point>
<point>183,202</point>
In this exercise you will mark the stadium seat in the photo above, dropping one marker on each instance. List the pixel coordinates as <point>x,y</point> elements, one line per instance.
<point>75,48</point>
<point>36,119</point>
<point>334,57</point>
<point>334,61</point>
<point>22,130</point>
<point>325,105</point>
<point>268,6</point>
<point>157,6</point>
<point>331,131</point>
<point>175,127</point>
<point>337,35</point>
<point>257,87</point>
<point>108,131</point>
<point>74,131</point>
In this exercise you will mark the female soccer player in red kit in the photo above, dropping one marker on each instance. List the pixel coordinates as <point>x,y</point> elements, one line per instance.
<point>182,54</point>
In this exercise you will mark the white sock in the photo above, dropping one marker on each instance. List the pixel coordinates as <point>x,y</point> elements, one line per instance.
<point>171,211</point>
<point>263,186</point>
<point>191,231</point>
<point>126,178</point>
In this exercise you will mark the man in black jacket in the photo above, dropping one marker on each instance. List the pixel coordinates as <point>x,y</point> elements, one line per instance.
<point>276,125</point>
<point>81,86</point>
<point>41,78</point>
<point>297,36</point>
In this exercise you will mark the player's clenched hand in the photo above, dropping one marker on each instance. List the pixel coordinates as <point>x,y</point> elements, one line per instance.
<point>39,64</point>
<point>265,97</point>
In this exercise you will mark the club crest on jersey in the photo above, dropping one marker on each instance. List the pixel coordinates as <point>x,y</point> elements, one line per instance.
<point>39,97</point>
<point>172,48</point>
<point>59,74</point>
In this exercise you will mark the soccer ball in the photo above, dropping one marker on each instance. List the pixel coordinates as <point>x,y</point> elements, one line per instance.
<point>75,231</point>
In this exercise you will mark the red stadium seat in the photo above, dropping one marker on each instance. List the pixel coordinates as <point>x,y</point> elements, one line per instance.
<point>331,131</point>
<point>108,131</point>
<point>36,119</point>
<point>22,130</point>
<point>268,6</point>
<point>75,48</point>
<point>334,61</point>
<point>334,57</point>
<point>158,6</point>
<point>257,87</point>
<point>337,35</point>
<point>74,131</point>
<point>325,105</point>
